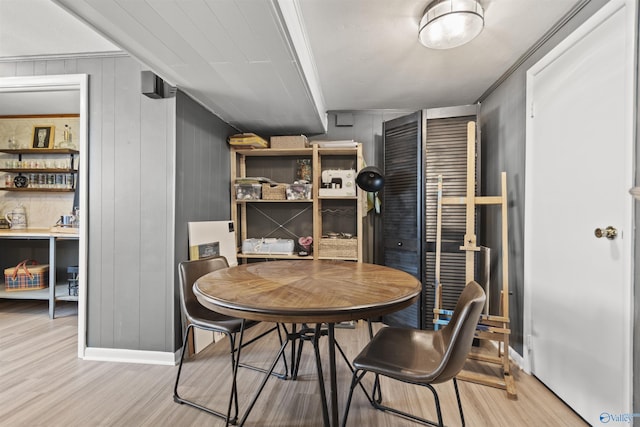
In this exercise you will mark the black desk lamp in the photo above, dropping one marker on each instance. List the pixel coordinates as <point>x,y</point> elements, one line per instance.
<point>371,179</point>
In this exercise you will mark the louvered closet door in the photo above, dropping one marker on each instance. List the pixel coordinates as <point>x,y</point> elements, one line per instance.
<point>403,207</point>
<point>446,147</point>
<point>417,150</point>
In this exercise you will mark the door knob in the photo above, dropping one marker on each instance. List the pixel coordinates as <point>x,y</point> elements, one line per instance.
<point>609,232</point>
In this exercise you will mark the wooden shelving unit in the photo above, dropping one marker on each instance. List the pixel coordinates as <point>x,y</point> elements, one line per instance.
<point>280,165</point>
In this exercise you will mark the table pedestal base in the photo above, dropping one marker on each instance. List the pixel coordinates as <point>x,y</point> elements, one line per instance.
<point>306,333</point>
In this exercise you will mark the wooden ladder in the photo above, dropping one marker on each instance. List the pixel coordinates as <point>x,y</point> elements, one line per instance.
<point>492,327</point>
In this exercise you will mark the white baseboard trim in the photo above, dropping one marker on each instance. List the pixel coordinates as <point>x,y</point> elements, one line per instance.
<point>131,356</point>
<point>516,358</point>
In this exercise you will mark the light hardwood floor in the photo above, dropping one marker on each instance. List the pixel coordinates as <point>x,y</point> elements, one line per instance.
<point>43,383</point>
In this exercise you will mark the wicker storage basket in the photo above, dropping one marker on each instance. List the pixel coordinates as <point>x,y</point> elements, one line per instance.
<point>274,192</point>
<point>26,276</point>
<point>338,248</point>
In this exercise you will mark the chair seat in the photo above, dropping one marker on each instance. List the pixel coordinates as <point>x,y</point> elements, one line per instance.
<point>226,324</point>
<point>204,318</point>
<point>410,355</point>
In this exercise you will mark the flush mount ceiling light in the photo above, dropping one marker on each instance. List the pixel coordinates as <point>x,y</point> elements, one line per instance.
<point>450,23</point>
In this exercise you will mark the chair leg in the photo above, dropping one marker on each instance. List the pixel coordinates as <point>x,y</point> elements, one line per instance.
<point>262,384</point>
<point>284,356</point>
<point>437,400</point>
<point>292,340</point>
<point>455,386</point>
<point>416,418</point>
<point>233,399</point>
<point>316,348</point>
<point>346,361</point>
<point>282,376</point>
<point>184,349</point>
<point>306,333</point>
<point>296,348</point>
<point>296,368</point>
<point>370,325</point>
<point>376,393</point>
<point>178,399</point>
<point>355,380</point>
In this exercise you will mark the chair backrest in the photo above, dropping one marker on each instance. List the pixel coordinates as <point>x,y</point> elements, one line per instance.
<point>190,271</point>
<point>458,334</point>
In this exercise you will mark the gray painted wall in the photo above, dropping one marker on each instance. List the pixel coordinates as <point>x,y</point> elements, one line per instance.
<point>503,149</point>
<point>503,135</point>
<point>154,165</point>
<point>130,263</point>
<point>203,176</point>
<point>366,128</point>
<point>131,198</point>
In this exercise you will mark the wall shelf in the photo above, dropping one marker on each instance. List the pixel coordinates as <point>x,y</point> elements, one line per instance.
<point>65,178</point>
<point>38,170</point>
<point>39,190</point>
<point>40,151</point>
<point>289,219</point>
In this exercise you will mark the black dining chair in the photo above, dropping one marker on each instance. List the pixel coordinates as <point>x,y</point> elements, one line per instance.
<point>421,357</point>
<point>197,316</point>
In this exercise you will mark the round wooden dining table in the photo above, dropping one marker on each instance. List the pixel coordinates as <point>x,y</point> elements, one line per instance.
<point>308,291</point>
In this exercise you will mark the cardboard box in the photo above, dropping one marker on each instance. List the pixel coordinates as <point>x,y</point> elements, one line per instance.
<point>294,141</point>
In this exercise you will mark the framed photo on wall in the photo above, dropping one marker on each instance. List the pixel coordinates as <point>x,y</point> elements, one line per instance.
<point>43,136</point>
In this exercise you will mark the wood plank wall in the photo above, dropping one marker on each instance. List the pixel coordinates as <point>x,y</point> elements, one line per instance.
<point>133,243</point>
<point>203,177</point>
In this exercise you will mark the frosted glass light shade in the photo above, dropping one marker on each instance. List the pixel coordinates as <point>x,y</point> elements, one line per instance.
<point>450,23</point>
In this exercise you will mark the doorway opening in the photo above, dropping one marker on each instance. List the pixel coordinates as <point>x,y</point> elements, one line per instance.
<point>45,95</point>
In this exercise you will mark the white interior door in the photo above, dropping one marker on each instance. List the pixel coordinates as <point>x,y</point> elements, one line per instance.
<point>579,170</point>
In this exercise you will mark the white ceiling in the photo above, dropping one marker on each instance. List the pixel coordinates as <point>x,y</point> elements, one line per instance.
<point>277,66</point>
<point>368,55</point>
<point>35,28</point>
<point>40,27</point>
